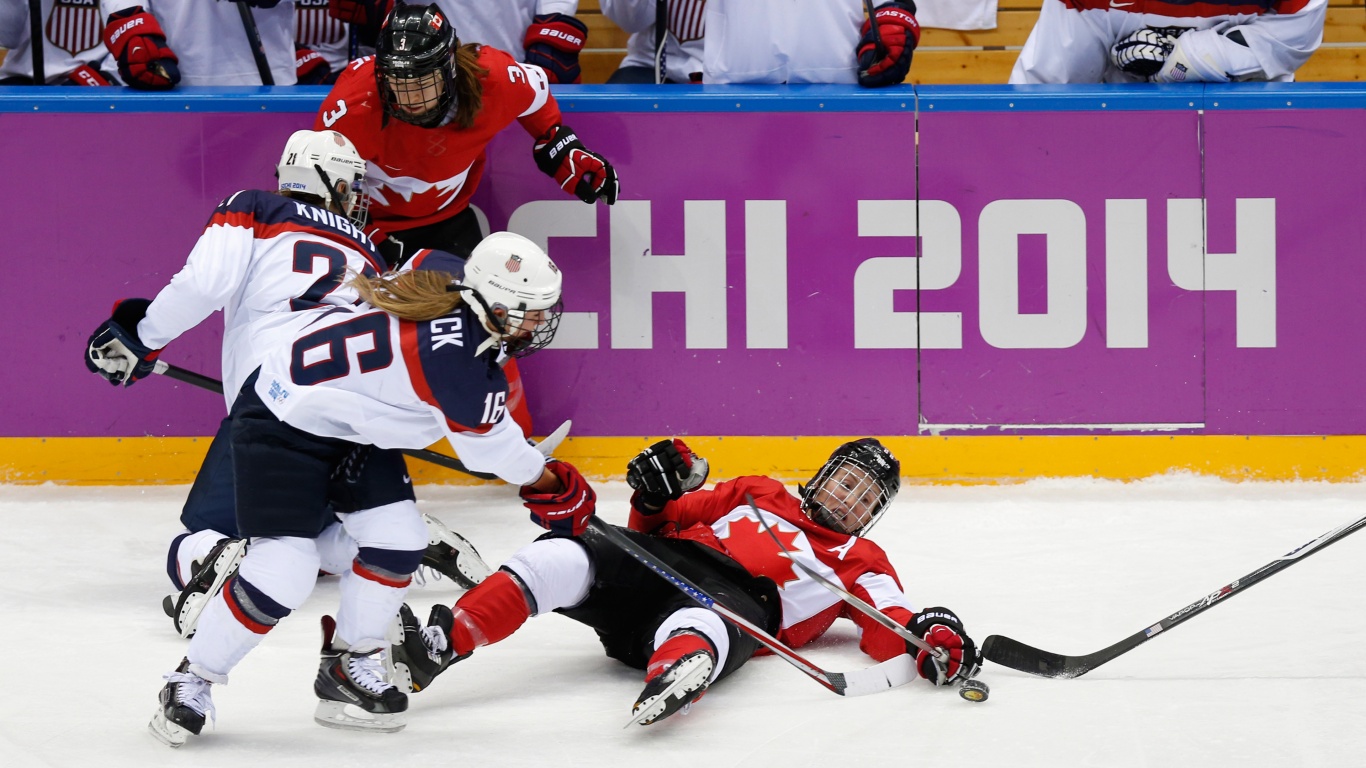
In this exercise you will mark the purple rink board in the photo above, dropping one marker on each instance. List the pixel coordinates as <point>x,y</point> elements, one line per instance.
<point>759,275</point>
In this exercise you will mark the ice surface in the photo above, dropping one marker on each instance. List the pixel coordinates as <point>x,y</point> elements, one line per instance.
<point>1273,678</point>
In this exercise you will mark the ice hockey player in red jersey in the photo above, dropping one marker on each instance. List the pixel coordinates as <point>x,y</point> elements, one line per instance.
<point>421,113</point>
<point>714,539</point>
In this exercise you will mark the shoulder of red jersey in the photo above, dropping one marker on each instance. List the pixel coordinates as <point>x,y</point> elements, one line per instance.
<point>269,214</point>
<point>512,86</point>
<point>353,107</point>
<point>468,388</point>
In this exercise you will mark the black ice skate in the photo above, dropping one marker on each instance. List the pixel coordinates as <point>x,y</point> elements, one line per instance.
<point>353,692</point>
<point>208,578</point>
<point>185,701</point>
<point>423,652</point>
<point>453,556</point>
<point>675,689</point>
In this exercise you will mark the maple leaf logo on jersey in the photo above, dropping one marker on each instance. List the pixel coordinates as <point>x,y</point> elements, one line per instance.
<point>380,184</point>
<point>751,546</point>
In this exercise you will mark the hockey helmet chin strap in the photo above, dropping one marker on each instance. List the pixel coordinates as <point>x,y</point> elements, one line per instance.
<point>499,323</point>
<point>332,191</point>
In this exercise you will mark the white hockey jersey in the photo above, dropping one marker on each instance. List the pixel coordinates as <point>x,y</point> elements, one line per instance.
<point>361,374</point>
<point>721,518</point>
<point>316,30</point>
<point>71,38</point>
<point>956,14</point>
<point>211,43</point>
<point>781,41</point>
<point>261,253</point>
<point>1072,39</point>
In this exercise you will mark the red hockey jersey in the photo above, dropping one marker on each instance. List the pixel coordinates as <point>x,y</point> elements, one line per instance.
<point>721,518</point>
<point>419,176</point>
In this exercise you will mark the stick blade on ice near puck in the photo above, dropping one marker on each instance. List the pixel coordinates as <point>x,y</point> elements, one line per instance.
<point>975,691</point>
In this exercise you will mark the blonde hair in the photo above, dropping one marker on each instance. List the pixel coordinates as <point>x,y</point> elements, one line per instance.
<point>413,295</point>
<point>469,89</point>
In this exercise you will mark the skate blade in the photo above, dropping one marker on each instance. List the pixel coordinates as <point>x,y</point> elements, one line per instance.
<point>167,732</point>
<point>349,717</point>
<point>692,676</point>
<point>194,604</point>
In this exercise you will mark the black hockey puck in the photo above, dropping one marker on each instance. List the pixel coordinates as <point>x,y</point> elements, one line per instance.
<point>974,691</point>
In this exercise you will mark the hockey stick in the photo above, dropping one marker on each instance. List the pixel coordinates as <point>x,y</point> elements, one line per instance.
<point>875,679</point>
<point>661,35</point>
<point>972,690</point>
<point>1016,655</point>
<point>35,40</point>
<point>254,42</point>
<point>545,447</point>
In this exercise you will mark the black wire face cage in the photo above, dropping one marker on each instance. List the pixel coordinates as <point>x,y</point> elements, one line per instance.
<point>541,335</point>
<point>401,84</point>
<point>350,197</point>
<point>849,494</point>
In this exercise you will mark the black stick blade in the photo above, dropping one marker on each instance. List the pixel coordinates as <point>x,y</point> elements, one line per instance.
<point>1026,658</point>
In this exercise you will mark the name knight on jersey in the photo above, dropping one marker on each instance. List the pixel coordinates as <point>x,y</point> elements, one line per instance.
<point>333,220</point>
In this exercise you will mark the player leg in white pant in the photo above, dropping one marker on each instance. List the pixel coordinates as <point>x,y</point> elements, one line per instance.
<point>275,577</point>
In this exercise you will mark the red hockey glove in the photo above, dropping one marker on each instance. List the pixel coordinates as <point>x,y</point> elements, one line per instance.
<point>889,63</point>
<point>565,513</point>
<point>553,42</point>
<point>664,472</point>
<point>114,350</point>
<point>362,13</point>
<point>87,75</point>
<point>560,155</point>
<point>310,67</point>
<point>941,628</point>
<point>135,38</point>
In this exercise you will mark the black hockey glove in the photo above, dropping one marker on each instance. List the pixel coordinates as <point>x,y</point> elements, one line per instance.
<point>664,472</point>
<point>1144,52</point>
<point>114,350</point>
<point>580,172</point>
<point>941,628</point>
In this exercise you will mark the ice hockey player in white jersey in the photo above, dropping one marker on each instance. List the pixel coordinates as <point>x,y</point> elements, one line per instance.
<point>811,41</point>
<point>315,433</point>
<point>260,253</point>
<point>72,51</point>
<point>541,32</point>
<point>712,538</point>
<point>1170,41</point>
<point>161,43</point>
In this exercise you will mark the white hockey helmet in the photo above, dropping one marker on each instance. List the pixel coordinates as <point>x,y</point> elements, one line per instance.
<point>516,291</point>
<point>325,164</point>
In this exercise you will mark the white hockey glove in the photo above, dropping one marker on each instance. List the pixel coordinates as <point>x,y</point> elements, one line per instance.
<point>1143,53</point>
<point>1195,58</point>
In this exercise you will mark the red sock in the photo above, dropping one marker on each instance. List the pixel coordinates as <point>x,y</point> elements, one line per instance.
<point>488,613</point>
<point>675,648</point>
